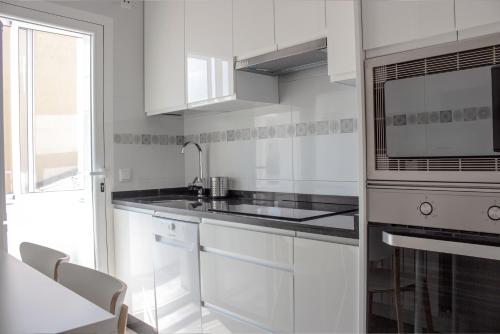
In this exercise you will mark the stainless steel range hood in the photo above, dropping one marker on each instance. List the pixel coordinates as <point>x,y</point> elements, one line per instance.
<point>292,59</point>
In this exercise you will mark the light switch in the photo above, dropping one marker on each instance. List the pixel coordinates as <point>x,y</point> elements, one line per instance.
<point>124,174</point>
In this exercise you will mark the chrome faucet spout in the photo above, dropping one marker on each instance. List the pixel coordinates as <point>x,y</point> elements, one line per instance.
<point>198,181</point>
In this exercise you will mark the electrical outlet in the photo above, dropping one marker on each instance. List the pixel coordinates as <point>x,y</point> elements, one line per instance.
<point>127,4</point>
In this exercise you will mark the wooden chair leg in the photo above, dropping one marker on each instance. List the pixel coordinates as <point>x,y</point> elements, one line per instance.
<point>397,290</point>
<point>428,313</point>
<point>122,319</point>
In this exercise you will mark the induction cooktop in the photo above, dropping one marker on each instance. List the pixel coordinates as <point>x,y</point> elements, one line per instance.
<point>291,214</point>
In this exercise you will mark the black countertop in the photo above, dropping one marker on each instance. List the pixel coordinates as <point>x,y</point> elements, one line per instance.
<point>342,222</point>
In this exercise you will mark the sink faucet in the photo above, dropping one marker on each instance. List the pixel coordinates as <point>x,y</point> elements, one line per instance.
<point>197,183</point>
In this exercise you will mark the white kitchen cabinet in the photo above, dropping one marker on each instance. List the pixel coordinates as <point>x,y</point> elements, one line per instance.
<point>341,41</point>
<point>253,27</point>
<point>299,21</point>
<point>477,17</point>
<point>253,290</point>
<point>219,322</point>
<point>249,275</point>
<point>164,62</point>
<point>209,49</point>
<point>326,285</point>
<point>392,26</point>
<point>134,262</point>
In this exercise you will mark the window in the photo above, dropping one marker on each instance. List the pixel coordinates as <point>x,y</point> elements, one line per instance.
<point>47,142</point>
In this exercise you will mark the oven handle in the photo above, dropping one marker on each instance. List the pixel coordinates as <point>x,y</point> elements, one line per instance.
<point>495,85</point>
<point>442,246</point>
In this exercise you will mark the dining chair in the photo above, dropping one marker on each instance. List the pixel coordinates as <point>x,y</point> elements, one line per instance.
<point>45,260</point>
<point>99,288</point>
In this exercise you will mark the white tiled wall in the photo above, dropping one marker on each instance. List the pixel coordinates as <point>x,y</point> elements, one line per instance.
<point>152,165</point>
<point>307,144</point>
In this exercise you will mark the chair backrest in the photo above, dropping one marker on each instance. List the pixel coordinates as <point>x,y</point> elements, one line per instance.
<point>101,289</point>
<point>45,260</point>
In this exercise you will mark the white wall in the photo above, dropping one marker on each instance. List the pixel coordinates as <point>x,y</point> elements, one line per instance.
<point>153,165</point>
<point>307,144</point>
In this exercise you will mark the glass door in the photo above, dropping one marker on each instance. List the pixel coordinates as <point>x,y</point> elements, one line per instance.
<point>432,281</point>
<point>53,137</point>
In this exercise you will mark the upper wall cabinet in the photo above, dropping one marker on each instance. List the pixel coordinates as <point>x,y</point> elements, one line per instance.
<point>164,69</point>
<point>253,27</point>
<point>341,41</point>
<point>209,49</point>
<point>392,26</point>
<point>477,17</point>
<point>299,21</point>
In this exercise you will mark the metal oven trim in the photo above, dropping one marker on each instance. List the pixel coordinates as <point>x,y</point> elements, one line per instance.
<point>452,176</point>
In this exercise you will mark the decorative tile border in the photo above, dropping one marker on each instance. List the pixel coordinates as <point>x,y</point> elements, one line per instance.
<point>319,128</point>
<point>147,139</point>
<point>442,116</point>
<point>304,129</point>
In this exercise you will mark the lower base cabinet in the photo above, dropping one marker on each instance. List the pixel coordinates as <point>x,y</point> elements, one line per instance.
<point>326,287</point>
<point>217,322</point>
<point>134,264</point>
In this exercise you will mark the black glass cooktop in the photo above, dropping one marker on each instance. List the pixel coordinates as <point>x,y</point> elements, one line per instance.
<point>292,214</point>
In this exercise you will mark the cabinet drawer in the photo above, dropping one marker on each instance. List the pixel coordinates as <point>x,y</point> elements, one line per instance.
<point>259,293</point>
<point>219,322</point>
<point>277,249</point>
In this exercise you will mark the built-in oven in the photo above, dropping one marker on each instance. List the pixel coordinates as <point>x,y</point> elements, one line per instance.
<point>433,260</point>
<point>432,281</point>
<point>433,114</point>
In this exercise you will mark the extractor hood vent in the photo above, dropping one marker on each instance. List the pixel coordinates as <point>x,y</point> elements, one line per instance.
<point>292,59</point>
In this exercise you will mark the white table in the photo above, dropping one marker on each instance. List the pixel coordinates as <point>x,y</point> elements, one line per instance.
<point>30,302</point>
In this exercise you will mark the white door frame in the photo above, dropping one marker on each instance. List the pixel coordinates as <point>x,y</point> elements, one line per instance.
<point>102,28</point>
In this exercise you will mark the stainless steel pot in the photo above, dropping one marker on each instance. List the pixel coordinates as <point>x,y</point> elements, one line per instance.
<point>219,186</point>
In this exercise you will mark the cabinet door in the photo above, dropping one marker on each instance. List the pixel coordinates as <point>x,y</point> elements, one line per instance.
<point>219,322</point>
<point>253,25</point>
<point>478,17</point>
<point>341,40</point>
<point>209,49</point>
<point>134,263</point>
<point>332,269</point>
<point>248,288</point>
<point>299,21</point>
<point>407,24</point>
<point>164,70</point>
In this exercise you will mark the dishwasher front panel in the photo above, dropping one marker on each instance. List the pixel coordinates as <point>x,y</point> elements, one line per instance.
<point>177,276</point>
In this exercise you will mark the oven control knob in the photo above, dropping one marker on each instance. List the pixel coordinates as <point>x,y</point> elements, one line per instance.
<point>426,208</point>
<point>171,227</point>
<point>494,212</point>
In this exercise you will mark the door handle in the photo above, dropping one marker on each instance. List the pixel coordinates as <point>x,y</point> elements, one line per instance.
<point>442,246</point>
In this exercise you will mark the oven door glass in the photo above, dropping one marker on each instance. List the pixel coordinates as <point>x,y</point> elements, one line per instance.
<point>432,281</point>
<point>447,114</point>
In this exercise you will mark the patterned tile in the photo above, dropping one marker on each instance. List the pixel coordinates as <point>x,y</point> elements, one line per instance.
<point>322,128</point>
<point>145,139</point>
<point>434,117</point>
<point>245,133</point>
<point>155,140</point>
<point>458,115</point>
<point>445,116</point>
<point>230,135</point>
<point>346,125</point>
<point>163,140</point>
<point>311,129</point>
<point>484,113</point>
<point>263,132</point>
<point>470,114</point>
<point>301,129</point>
